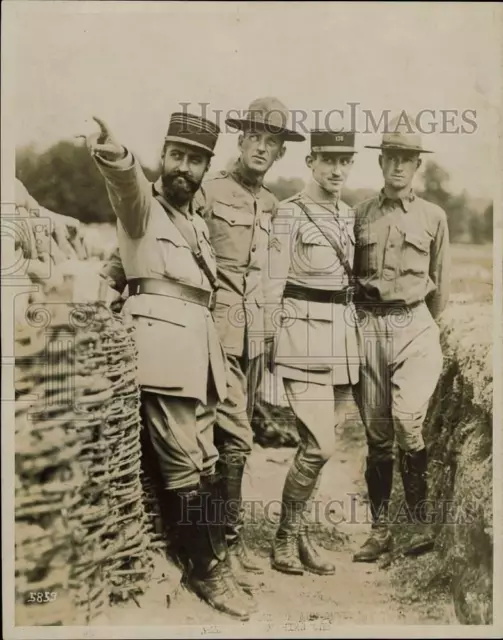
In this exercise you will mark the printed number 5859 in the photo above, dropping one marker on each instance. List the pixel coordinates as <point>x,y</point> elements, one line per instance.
<point>41,596</point>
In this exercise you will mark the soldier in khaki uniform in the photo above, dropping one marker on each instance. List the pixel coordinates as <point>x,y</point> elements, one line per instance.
<point>238,210</point>
<point>171,273</point>
<point>317,352</point>
<point>402,266</point>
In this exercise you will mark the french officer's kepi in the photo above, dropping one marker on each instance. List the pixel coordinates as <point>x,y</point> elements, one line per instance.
<point>267,114</point>
<point>401,135</point>
<point>193,130</point>
<point>332,141</point>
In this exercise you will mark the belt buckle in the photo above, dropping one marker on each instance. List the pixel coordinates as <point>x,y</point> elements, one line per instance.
<point>350,291</point>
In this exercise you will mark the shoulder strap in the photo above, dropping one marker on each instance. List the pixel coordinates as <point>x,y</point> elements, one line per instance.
<point>336,247</point>
<point>194,247</point>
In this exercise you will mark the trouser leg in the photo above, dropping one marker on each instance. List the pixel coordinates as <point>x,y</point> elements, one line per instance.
<point>234,439</point>
<point>374,401</point>
<point>417,365</point>
<point>314,407</point>
<point>183,453</point>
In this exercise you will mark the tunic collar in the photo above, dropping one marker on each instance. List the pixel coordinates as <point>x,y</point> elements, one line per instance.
<point>238,172</point>
<point>319,196</point>
<point>402,202</point>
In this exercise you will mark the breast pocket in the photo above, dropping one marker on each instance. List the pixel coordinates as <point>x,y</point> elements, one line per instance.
<point>368,254</point>
<point>230,229</point>
<point>316,255</point>
<point>176,259</point>
<point>415,253</point>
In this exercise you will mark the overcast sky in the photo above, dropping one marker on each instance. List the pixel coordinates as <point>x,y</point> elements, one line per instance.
<point>134,63</point>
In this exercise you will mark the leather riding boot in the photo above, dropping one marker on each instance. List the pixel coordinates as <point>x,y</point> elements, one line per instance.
<point>299,486</point>
<point>379,478</point>
<point>200,526</point>
<point>285,552</point>
<point>241,585</point>
<point>230,469</point>
<point>167,502</point>
<point>309,555</point>
<point>413,468</point>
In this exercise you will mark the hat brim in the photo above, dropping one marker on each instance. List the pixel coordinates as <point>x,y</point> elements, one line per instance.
<point>286,134</point>
<point>334,150</point>
<point>396,148</point>
<point>189,143</point>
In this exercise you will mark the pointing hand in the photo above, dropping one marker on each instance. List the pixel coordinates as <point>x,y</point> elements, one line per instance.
<point>104,143</point>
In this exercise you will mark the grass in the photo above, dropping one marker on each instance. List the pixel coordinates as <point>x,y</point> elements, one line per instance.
<point>472,273</point>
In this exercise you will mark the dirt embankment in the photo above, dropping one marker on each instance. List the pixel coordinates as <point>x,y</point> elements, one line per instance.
<point>458,433</point>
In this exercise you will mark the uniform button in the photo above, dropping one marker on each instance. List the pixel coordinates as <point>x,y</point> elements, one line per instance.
<point>254,248</point>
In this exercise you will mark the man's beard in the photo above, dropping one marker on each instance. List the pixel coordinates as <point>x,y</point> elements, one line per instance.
<point>179,188</point>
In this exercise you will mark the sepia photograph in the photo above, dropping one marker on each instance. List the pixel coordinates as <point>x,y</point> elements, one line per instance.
<point>252,319</point>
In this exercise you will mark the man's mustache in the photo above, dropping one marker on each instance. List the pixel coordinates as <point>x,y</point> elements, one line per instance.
<point>173,176</point>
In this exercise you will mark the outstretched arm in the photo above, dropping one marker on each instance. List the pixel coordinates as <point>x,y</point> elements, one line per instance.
<point>128,188</point>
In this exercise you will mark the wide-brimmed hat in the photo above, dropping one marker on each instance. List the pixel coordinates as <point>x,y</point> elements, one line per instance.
<point>267,114</point>
<point>193,130</point>
<point>401,135</point>
<point>332,141</point>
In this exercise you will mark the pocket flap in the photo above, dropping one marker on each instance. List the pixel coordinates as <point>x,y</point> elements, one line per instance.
<point>227,298</point>
<point>304,310</point>
<point>155,316</point>
<point>310,234</point>
<point>367,238</point>
<point>157,308</point>
<point>175,240</point>
<point>232,215</point>
<point>417,240</point>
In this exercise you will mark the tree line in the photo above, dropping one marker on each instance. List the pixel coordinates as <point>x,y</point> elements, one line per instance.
<point>64,179</point>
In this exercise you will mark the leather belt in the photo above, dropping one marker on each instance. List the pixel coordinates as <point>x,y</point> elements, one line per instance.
<point>171,289</point>
<point>298,292</point>
<point>385,308</point>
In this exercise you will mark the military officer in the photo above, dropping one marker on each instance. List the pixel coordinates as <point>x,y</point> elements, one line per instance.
<point>171,273</point>
<point>238,210</point>
<point>316,352</point>
<point>402,268</point>
<point>239,213</point>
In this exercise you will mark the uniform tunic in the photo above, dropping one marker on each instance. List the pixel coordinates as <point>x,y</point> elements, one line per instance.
<point>239,218</point>
<point>317,352</point>
<point>239,215</point>
<point>402,261</point>
<point>179,354</point>
<point>317,340</point>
